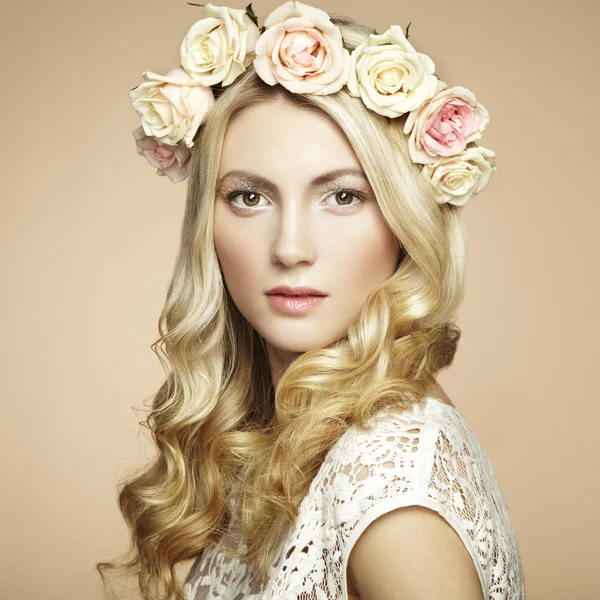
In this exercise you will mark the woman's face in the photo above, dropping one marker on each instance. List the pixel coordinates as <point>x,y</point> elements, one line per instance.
<point>300,213</point>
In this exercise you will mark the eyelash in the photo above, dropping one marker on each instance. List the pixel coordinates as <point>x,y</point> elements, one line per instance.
<point>230,197</point>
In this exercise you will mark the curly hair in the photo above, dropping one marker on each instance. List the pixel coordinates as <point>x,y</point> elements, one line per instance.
<point>228,444</point>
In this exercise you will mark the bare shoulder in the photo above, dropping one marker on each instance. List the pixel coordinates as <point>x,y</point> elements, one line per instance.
<point>412,553</point>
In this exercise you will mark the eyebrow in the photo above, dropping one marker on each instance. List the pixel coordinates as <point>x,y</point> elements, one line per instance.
<point>260,181</point>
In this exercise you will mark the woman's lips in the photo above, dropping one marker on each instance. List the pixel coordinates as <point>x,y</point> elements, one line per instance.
<point>294,304</point>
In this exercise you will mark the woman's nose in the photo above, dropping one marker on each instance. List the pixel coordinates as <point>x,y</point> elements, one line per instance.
<point>294,237</point>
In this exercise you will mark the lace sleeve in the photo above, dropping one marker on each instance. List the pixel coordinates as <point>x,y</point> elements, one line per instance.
<point>407,462</point>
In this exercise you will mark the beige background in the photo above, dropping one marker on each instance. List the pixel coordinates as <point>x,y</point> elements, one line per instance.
<point>89,235</point>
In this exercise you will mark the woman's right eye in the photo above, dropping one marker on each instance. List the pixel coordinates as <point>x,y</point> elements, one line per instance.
<point>249,199</point>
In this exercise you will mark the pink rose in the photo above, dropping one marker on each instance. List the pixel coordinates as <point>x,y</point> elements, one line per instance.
<point>172,106</point>
<point>302,50</point>
<point>445,124</point>
<point>172,161</point>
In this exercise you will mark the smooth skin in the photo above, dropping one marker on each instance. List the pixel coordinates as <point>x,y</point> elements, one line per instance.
<point>297,225</point>
<point>302,212</point>
<point>412,553</point>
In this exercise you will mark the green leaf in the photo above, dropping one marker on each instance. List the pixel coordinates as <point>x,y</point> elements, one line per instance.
<point>192,4</point>
<point>261,29</point>
<point>407,28</point>
<point>251,14</point>
<point>375,32</point>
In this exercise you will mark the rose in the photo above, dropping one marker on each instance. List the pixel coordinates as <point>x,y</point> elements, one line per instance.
<point>218,48</point>
<point>302,50</point>
<point>457,178</point>
<point>445,124</point>
<point>390,75</point>
<point>172,106</point>
<point>172,161</point>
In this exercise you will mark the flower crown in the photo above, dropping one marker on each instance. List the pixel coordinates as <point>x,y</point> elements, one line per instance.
<point>300,48</point>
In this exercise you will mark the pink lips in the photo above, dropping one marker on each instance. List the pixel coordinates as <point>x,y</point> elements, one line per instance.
<point>295,300</point>
<point>294,304</point>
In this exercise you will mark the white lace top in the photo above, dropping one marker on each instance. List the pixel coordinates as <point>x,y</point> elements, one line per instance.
<point>426,456</point>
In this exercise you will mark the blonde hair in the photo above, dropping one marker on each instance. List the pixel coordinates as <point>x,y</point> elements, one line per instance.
<point>218,424</point>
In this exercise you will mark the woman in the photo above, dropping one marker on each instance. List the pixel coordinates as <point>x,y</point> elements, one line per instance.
<point>305,449</point>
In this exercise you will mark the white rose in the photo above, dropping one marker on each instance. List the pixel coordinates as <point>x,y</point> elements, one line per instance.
<point>390,75</point>
<point>218,48</point>
<point>172,106</point>
<point>457,178</point>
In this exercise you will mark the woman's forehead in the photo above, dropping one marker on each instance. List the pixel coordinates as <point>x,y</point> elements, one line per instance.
<point>280,137</point>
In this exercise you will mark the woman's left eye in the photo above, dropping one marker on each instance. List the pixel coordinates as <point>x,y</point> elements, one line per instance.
<point>345,196</point>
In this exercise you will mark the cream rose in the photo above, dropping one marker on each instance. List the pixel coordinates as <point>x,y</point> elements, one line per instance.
<point>302,50</point>
<point>172,106</point>
<point>172,161</point>
<point>457,178</point>
<point>390,76</point>
<point>219,48</point>
<point>444,125</point>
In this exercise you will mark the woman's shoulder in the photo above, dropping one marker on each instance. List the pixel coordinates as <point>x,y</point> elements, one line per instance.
<point>394,443</point>
<point>424,456</point>
<point>427,451</point>
<point>406,428</point>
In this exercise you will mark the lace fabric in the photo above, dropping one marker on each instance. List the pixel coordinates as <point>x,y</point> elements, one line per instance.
<point>426,456</point>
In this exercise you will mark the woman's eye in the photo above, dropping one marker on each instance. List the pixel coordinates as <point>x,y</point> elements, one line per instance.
<point>249,199</point>
<point>344,198</point>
